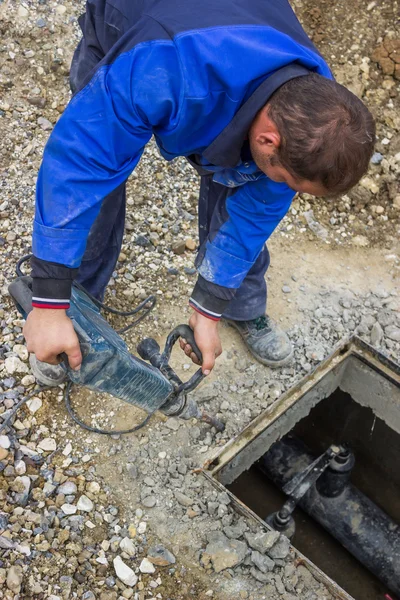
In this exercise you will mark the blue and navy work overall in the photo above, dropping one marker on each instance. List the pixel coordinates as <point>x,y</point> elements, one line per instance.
<point>194,75</point>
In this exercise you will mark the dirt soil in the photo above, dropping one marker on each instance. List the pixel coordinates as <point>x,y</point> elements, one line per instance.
<point>342,281</point>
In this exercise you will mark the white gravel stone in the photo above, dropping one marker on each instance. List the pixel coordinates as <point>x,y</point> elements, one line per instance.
<point>34,405</point>
<point>13,364</point>
<point>68,449</point>
<point>5,441</point>
<point>68,488</point>
<point>146,566</point>
<point>69,509</point>
<point>93,487</point>
<point>21,351</point>
<point>142,527</point>
<point>20,467</point>
<point>128,546</point>
<point>123,572</point>
<point>28,380</point>
<point>48,445</point>
<point>85,504</point>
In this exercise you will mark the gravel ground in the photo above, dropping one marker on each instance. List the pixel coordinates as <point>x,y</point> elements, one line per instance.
<point>82,516</point>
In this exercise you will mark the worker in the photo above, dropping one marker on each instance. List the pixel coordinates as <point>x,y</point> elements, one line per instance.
<point>238,89</point>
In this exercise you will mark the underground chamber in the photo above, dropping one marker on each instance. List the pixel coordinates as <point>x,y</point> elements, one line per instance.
<point>321,466</point>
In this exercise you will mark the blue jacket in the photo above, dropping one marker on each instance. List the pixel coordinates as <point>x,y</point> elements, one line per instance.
<point>194,75</point>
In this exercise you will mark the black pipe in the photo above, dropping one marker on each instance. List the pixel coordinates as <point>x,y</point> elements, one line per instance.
<point>364,529</point>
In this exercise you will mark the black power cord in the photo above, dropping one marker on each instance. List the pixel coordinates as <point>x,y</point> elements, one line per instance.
<point>151,301</point>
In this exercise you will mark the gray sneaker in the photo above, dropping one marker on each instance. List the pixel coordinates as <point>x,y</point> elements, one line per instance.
<point>46,374</point>
<point>266,341</point>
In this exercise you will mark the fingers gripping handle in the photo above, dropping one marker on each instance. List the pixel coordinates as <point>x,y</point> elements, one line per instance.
<point>185,332</point>
<point>149,350</point>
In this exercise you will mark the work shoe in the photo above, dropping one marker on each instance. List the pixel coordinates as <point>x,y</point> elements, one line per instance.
<point>46,374</point>
<point>265,340</point>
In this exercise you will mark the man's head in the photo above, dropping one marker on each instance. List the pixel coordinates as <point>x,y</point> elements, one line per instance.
<point>314,135</point>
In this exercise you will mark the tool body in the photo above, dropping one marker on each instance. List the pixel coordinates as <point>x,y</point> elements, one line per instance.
<point>108,366</point>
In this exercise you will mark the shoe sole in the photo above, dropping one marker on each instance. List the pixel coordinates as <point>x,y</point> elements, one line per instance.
<point>274,364</point>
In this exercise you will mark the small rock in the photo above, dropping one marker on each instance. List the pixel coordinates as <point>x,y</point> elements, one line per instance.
<point>93,487</point>
<point>146,566</point>
<point>21,351</point>
<point>6,543</point>
<point>13,364</point>
<point>223,553</point>
<point>68,488</point>
<point>280,549</point>
<point>68,449</point>
<point>48,445</point>
<point>128,546</point>
<point>142,528</point>
<point>124,573</point>
<point>85,504</point>
<point>37,101</point>
<point>28,380</point>
<point>149,501</point>
<point>69,509</point>
<point>376,334</point>
<point>23,12</point>
<point>34,405</point>
<point>45,124</point>
<point>190,244</point>
<point>262,542</point>
<point>5,441</point>
<point>21,485</point>
<point>3,453</point>
<point>160,556</point>
<point>183,499</point>
<point>376,158</point>
<point>264,563</point>
<point>179,247</point>
<point>14,578</point>
<point>173,424</point>
<point>286,289</point>
<point>20,467</point>
<point>393,333</point>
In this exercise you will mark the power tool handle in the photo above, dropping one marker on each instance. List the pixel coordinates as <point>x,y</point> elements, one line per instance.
<point>21,292</point>
<point>185,332</point>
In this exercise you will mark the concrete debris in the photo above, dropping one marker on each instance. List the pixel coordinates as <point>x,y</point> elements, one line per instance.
<point>280,549</point>
<point>223,553</point>
<point>262,542</point>
<point>264,563</point>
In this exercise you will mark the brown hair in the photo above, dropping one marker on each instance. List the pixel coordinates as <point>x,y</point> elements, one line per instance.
<point>327,133</point>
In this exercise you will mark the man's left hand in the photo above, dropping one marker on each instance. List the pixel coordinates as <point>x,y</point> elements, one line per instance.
<point>207,338</point>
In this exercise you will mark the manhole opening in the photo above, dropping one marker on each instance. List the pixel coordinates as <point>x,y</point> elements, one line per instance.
<point>354,406</point>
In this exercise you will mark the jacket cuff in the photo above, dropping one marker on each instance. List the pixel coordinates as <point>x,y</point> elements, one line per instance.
<point>210,299</point>
<point>52,284</point>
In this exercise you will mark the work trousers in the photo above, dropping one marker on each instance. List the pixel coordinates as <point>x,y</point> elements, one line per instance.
<point>106,235</point>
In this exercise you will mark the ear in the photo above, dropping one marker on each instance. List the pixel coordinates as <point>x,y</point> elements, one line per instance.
<point>266,133</point>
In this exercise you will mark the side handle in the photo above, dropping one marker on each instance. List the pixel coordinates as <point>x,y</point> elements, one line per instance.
<point>20,291</point>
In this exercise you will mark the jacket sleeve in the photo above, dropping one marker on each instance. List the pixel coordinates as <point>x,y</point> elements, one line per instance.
<point>93,148</point>
<point>254,210</point>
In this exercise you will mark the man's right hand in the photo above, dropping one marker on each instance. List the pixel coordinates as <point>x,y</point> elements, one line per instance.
<point>48,333</point>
